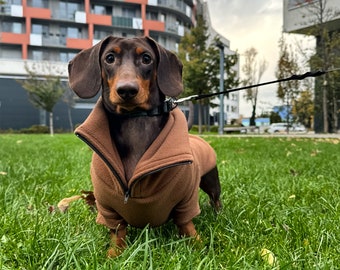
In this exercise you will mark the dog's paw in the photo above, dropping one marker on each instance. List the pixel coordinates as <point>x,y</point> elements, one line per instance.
<point>114,252</point>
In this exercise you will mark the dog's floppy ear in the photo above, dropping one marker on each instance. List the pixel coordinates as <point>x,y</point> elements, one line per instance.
<point>169,71</point>
<point>85,71</point>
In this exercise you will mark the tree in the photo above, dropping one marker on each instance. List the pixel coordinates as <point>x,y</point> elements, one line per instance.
<point>253,71</point>
<point>43,91</point>
<point>201,65</point>
<point>303,108</point>
<point>287,66</point>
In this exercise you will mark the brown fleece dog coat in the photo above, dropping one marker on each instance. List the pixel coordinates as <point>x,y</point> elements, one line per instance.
<point>166,180</point>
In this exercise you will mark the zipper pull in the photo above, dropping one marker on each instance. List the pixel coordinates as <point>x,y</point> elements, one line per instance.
<point>126,197</point>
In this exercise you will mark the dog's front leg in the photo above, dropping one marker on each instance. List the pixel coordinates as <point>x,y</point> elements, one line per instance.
<point>117,242</point>
<point>188,230</point>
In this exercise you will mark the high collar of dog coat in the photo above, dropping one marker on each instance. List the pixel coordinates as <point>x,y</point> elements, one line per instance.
<point>171,146</point>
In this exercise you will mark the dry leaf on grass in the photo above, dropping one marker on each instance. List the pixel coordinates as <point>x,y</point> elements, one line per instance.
<point>269,257</point>
<point>64,204</point>
<point>315,152</point>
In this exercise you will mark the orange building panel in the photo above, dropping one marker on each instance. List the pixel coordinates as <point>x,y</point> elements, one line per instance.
<point>154,25</point>
<point>76,43</point>
<point>41,13</point>
<point>145,2</point>
<point>13,38</point>
<point>99,19</point>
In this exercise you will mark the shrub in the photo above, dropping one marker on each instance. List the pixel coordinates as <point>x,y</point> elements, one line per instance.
<point>35,129</point>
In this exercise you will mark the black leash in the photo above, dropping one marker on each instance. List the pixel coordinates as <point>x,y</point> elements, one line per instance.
<point>291,78</point>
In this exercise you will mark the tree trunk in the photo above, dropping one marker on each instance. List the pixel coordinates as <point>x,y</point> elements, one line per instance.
<point>70,118</point>
<point>253,116</point>
<point>335,112</point>
<point>199,117</point>
<point>324,107</point>
<point>51,124</point>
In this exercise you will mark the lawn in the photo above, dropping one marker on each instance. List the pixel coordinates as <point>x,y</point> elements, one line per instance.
<point>279,194</point>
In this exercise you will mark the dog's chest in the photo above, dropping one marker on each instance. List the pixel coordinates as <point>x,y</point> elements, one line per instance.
<point>132,137</point>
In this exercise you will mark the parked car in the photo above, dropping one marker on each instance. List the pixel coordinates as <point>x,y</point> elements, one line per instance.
<point>299,128</point>
<point>279,127</point>
<point>282,127</point>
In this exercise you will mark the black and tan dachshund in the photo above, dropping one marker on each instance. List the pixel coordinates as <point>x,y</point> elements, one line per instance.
<point>146,168</point>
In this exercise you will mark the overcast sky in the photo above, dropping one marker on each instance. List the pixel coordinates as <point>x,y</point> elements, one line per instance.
<point>252,23</point>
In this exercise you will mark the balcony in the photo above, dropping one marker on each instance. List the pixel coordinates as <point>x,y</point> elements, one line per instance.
<point>125,22</point>
<point>77,16</point>
<point>175,29</point>
<point>174,5</point>
<point>11,10</point>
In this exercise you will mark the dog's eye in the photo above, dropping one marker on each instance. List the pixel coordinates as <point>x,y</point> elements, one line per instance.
<point>110,58</point>
<point>146,58</point>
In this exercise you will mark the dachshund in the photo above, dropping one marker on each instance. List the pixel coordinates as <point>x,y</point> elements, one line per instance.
<point>146,169</point>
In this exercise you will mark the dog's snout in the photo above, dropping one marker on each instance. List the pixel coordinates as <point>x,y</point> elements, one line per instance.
<point>127,90</point>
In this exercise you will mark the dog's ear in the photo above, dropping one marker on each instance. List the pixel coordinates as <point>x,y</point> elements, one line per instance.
<point>169,71</point>
<point>84,71</point>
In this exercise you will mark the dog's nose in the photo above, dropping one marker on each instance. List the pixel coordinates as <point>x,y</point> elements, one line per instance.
<point>127,90</point>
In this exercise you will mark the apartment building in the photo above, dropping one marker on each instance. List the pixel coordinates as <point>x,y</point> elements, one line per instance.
<point>54,31</point>
<point>57,30</point>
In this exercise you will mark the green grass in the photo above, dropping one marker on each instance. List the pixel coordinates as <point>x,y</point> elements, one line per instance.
<point>281,194</point>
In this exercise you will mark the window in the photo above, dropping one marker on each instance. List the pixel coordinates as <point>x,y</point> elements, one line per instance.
<point>14,2</point>
<point>66,56</point>
<point>12,27</point>
<point>17,28</point>
<point>129,12</point>
<point>13,52</point>
<point>37,55</point>
<point>152,16</point>
<point>37,29</point>
<point>39,3</point>
<point>98,9</point>
<point>68,9</point>
<point>73,32</point>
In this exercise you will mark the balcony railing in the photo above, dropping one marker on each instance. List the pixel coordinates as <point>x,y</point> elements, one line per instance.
<point>176,5</point>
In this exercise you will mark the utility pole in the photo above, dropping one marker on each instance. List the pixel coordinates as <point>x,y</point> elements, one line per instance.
<point>221,120</point>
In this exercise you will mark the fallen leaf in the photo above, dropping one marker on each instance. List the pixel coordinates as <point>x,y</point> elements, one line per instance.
<point>64,204</point>
<point>3,173</point>
<point>286,227</point>
<point>305,242</point>
<point>315,152</point>
<point>269,257</point>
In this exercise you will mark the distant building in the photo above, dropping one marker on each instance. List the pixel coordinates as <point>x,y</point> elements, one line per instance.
<point>263,122</point>
<point>231,102</point>
<point>299,17</point>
